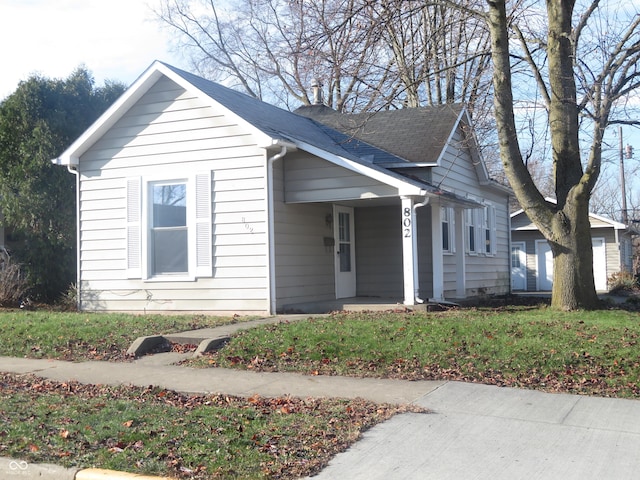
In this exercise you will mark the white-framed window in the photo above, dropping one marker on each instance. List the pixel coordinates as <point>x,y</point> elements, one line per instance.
<point>489,229</point>
<point>480,230</point>
<point>471,231</point>
<point>448,230</point>
<point>168,237</point>
<point>169,227</point>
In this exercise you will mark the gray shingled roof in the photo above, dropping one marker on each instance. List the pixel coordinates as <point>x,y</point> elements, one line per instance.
<point>282,124</point>
<point>417,135</point>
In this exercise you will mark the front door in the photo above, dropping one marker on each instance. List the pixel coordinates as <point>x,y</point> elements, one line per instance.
<point>518,266</point>
<point>345,251</point>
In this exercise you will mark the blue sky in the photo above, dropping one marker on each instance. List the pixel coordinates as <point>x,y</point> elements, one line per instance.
<point>115,39</point>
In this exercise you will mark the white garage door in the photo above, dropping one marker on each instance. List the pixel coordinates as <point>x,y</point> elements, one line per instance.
<point>545,265</point>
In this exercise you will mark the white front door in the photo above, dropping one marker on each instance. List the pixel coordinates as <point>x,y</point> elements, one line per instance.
<point>345,251</point>
<point>545,266</point>
<point>518,266</point>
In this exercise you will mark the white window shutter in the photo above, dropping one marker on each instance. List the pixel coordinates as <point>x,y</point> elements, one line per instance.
<point>492,228</point>
<point>134,228</point>
<point>204,254</point>
<point>452,230</point>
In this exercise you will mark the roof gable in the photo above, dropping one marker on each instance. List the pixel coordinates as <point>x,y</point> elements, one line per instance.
<point>272,125</point>
<point>395,130</point>
<point>418,136</point>
<point>520,221</point>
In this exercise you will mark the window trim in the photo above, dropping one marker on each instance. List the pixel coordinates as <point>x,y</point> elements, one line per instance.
<point>150,229</point>
<point>447,215</point>
<point>489,229</point>
<point>139,205</point>
<point>471,222</point>
<point>483,222</point>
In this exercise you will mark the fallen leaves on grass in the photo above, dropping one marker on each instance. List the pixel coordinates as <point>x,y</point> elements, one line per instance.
<point>281,437</point>
<point>552,355</point>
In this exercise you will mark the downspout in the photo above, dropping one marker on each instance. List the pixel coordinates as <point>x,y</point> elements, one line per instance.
<point>509,246</point>
<point>416,273</point>
<point>74,170</point>
<point>271,226</point>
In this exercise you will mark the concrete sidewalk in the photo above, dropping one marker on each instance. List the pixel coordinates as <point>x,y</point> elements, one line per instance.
<point>476,431</point>
<point>485,432</point>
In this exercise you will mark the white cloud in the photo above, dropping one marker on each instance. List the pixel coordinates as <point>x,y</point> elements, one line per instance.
<point>115,39</point>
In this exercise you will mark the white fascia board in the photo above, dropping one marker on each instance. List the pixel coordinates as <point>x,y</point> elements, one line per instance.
<point>483,174</point>
<point>497,186</point>
<point>138,88</point>
<point>404,188</point>
<point>611,223</point>
<point>410,165</point>
<point>528,228</point>
<point>128,99</point>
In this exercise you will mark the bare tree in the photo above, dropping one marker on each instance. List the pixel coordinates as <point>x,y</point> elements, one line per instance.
<point>369,55</point>
<point>584,75</point>
<point>440,53</point>
<point>277,48</point>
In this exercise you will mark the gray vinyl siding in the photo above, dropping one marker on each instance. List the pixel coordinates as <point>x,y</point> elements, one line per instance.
<point>310,179</point>
<point>490,274</point>
<point>379,252</point>
<point>304,267</point>
<point>456,171</point>
<point>425,264</point>
<point>611,248</point>
<point>170,134</point>
<point>531,236</point>
<point>485,274</point>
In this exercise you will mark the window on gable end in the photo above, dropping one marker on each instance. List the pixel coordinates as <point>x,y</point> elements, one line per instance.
<point>170,236</point>
<point>168,240</point>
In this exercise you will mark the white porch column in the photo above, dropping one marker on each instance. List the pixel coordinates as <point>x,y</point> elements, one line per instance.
<point>409,257</point>
<point>461,266</point>
<point>436,251</point>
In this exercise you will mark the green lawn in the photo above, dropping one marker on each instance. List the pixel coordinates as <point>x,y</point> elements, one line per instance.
<point>162,432</point>
<point>88,336</point>
<point>153,431</point>
<point>581,352</point>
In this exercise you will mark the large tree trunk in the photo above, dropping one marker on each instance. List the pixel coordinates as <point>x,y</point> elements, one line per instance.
<point>564,224</point>
<point>573,284</point>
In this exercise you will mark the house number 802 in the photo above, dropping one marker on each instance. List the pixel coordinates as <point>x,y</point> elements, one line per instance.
<point>406,222</point>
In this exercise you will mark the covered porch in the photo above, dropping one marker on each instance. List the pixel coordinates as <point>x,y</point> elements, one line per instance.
<point>341,233</point>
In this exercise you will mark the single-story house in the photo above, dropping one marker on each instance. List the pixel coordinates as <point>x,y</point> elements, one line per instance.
<point>196,197</point>
<point>532,261</point>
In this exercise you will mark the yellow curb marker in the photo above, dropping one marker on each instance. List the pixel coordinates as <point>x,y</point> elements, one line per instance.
<point>100,474</point>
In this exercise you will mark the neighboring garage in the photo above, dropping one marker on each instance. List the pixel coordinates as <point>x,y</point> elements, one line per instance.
<point>532,261</point>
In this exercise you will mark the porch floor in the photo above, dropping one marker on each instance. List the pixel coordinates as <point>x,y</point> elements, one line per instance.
<point>354,304</point>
